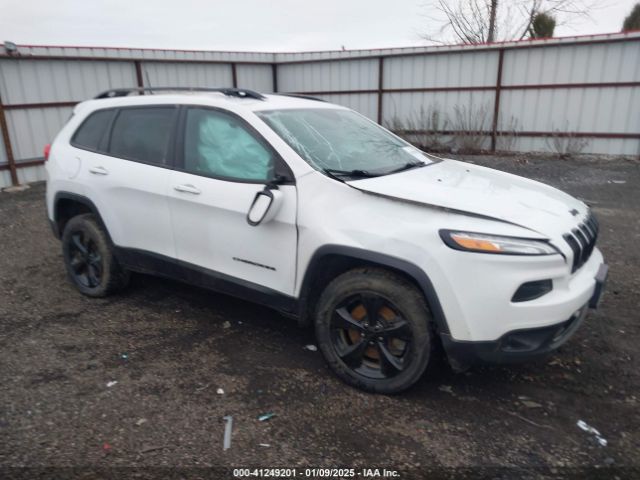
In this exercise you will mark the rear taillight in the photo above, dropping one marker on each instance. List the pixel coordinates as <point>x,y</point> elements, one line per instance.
<point>47,149</point>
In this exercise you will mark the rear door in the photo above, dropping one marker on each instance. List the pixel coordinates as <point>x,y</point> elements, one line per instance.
<point>127,176</point>
<point>222,162</point>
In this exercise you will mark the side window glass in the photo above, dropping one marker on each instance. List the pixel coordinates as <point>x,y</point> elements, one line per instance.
<point>219,145</point>
<point>142,134</point>
<point>92,130</point>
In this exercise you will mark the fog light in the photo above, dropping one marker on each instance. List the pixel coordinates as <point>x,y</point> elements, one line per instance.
<point>532,290</point>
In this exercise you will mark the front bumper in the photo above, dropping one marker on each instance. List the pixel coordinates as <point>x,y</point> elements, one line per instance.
<point>523,344</point>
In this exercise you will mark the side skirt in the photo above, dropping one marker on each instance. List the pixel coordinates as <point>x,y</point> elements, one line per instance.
<point>151,263</point>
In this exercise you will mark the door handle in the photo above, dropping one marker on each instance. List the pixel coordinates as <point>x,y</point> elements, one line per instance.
<point>187,189</point>
<point>99,171</point>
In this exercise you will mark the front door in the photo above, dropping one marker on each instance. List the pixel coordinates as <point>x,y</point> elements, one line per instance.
<point>222,164</point>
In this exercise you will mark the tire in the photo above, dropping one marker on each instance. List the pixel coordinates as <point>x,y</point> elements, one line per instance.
<point>356,348</point>
<point>89,259</point>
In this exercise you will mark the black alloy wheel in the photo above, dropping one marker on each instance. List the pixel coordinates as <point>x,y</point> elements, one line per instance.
<point>375,329</point>
<point>86,260</point>
<point>370,335</point>
<point>89,257</point>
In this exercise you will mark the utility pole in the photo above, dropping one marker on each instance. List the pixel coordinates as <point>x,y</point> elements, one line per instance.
<point>492,21</point>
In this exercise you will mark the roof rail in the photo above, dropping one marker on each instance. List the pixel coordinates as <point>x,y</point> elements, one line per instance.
<point>306,97</point>
<point>231,92</point>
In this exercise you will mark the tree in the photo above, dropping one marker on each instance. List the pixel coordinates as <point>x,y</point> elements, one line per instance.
<point>542,26</point>
<point>484,21</point>
<point>632,21</point>
<point>493,10</point>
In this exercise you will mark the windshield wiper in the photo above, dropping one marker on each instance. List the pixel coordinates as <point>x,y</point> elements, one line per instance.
<point>350,173</point>
<point>357,173</point>
<point>406,166</point>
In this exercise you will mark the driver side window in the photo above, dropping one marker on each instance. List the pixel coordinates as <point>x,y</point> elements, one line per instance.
<point>217,144</point>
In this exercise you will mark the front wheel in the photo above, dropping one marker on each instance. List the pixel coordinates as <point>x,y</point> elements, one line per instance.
<point>373,328</point>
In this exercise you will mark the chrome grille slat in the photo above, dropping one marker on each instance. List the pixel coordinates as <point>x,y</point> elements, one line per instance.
<point>582,241</point>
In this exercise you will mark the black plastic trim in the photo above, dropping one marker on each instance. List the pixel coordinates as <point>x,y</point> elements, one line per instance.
<point>601,280</point>
<point>79,199</point>
<point>267,193</point>
<point>383,260</point>
<point>582,240</point>
<point>152,263</point>
<point>512,347</point>
<point>54,229</point>
<point>532,290</point>
<point>228,91</point>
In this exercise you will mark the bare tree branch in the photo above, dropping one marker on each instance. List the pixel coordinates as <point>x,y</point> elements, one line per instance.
<point>469,21</point>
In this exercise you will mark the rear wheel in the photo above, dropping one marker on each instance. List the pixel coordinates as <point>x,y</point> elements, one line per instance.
<point>88,256</point>
<point>373,327</point>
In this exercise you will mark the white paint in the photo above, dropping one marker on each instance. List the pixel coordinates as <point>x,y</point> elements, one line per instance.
<point>398,215</point>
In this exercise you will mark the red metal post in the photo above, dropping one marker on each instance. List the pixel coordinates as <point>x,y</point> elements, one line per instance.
<point>7,146</point>
<point>274,74</point>
<point>496,104</point>
<point>234,75</point>
<point>139,77</point>
<point>380,87</point>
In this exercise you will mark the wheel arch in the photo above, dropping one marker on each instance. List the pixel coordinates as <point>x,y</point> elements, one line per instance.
<point>330,261</point>
<point>67,205</point>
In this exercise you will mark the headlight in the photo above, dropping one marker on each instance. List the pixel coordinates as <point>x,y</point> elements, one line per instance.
<point>481,242</point>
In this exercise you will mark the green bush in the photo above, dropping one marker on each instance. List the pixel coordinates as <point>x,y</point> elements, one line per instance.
<point>542,26</point>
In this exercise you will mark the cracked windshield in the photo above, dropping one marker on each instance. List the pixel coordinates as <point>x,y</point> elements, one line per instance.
<point>342,142</point>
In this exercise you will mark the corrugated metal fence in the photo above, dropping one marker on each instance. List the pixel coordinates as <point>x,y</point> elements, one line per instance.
<point>579,93</point>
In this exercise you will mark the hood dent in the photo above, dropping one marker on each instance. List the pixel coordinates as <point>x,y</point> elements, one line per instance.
<point>441,208</point>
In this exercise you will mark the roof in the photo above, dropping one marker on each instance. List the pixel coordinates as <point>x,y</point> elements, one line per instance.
<point>215,99</point>
<point>120,53</point>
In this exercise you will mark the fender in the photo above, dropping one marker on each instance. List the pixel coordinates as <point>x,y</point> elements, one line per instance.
<point>79,199</point>
<point>383,260</point>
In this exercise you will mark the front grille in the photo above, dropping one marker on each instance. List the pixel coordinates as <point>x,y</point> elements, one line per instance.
<point>582,241</point>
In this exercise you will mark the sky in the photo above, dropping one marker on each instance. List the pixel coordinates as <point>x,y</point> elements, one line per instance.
<point>243,25</point>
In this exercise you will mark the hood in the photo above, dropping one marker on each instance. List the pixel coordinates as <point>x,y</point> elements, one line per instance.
<point>482,191</point>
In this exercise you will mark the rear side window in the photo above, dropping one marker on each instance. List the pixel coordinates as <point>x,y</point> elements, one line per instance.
<point>93,130</point>
<point>142,134</point>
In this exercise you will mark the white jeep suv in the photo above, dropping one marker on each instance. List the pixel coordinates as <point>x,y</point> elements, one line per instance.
<point>314,210</point>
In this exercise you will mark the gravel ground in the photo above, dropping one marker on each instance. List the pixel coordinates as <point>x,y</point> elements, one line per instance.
<point>170,347</point>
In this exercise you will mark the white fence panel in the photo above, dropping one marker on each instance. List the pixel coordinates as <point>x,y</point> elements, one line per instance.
<point>35,173</point>
<point>448,105</point>
<point>328,76</point>
<point>364,103</point>
<point>590,110</point>
<point>442,70</point>
<point>179,74</point>
<point>255,77</point>
<point>39,81</point>
<point>31,129</point>
<point>597,146</point>
<point>599,63</point>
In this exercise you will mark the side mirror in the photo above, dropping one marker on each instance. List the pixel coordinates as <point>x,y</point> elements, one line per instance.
<point>264,207</point>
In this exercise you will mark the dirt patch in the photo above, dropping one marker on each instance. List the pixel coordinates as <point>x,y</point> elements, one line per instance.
<point>165,345</point>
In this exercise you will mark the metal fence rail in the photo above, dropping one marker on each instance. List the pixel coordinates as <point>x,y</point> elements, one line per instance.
<point>509,96</point>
